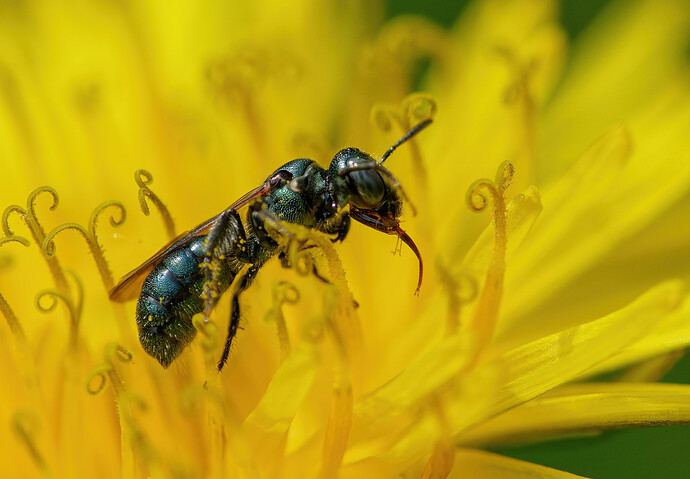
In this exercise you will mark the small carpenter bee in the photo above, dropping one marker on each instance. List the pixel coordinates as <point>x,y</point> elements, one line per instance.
<point>188,274</point>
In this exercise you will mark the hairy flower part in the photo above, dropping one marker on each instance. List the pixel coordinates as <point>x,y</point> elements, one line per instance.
<point>549,200</point>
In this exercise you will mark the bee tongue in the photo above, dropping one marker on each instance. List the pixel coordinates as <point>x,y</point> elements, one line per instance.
<point>408,241</point>
<point>389,225</point>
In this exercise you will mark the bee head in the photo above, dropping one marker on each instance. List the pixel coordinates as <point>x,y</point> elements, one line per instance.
<point>362,183</point>
<point>373,193</point>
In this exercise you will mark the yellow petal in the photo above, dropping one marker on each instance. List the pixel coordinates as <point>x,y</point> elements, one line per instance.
<point>523,373</point>
<point>285,393</point>
<point>583,408</point>
<point>534,368</point>
<point>622,194</point>
<point>558,235</point>
<point>374,413</point>
<point>494,48</point>
<point>653,369</point>
<point>650,257</point>
<point>620,65</point>
<point>668,334</point>
<point>441,461</point>
<point>485,465</point>
<point>521,214</point>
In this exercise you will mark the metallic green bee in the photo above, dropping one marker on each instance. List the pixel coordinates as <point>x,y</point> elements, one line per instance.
<point>175,283</point>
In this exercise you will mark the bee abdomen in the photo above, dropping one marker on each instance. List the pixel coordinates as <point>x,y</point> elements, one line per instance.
<point>169,298</point>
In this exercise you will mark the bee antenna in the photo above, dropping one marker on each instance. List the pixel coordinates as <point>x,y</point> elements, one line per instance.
<point>413,131</point>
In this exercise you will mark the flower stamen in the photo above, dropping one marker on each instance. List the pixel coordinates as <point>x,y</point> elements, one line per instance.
<point>412,110</point>
<point>317,147</point>
<point>519,93</point>
<point>478,195</point>
<point>26,361</point>
<point>396,52</point>
<point>283,292</point>
<point>100,374</point>
<point>461,289</point>
<point>143,179</point>
<point>28,215</point>
<point>12,322</point>
<point>91,238</point>
<point>339,422</point>
<point>25,426</point>
<point>14,238</point>
<point>300,258</point>
<point>73,309</point>
<point>135,451</point>
<point>138,456</point>
<point>209,341</point>
<point>347,329</point>
<point>337,428</point>
<point>442,457</point>
<point>236,78</point>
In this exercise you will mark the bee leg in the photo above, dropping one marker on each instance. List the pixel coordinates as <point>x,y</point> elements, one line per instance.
<point>226,231</point>
<point>232,330</point>
<point>284,260</point>
<point>245,282</point>
<point>341,229</point>
<point>258,217</point>
<point>285,263</point>
<point>323,279</point>
<point>318,275</point>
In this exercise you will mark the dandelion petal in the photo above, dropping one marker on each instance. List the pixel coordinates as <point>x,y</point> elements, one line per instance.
<point>582,408</point>
<point>524,373</point>
<point>484,465</point>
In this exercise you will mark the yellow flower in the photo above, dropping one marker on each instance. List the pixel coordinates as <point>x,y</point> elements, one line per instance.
<point>518,303</point>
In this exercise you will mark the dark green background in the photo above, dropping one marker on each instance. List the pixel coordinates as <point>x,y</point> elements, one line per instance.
<point>662,452</point>
<point>574,14</point>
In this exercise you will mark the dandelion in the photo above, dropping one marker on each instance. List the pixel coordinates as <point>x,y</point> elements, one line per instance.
<point>554,270</point>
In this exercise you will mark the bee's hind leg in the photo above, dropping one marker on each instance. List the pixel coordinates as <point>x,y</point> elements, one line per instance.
<point>224,234</point>
<point>244,282</point>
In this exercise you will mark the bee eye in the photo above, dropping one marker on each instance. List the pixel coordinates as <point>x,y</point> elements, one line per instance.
<point>368,187</point>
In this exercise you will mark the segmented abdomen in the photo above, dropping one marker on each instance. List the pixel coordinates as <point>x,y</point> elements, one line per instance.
<point>170,297</point>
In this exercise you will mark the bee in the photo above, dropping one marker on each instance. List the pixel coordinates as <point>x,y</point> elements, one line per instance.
<point>188,275</point>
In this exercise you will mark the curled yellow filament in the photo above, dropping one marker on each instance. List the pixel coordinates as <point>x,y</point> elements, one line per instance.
<point>54,296</point>
<point>30,219</point>
<point>283,292</point>
<point>478,196</point>
<point>91,238</point>
<point>97,379</point>
<point>143,179</point>
<point>413,109</point>
<point>461,289</point>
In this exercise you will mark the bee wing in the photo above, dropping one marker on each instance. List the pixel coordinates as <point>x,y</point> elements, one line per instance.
<point>129,287</point>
